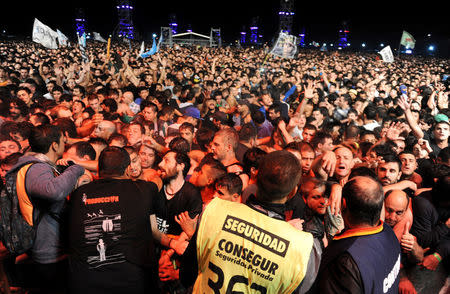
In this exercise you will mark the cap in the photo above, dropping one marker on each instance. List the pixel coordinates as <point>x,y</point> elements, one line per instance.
<point>192,112</point>
<point>441,118</point>
<point>353,91</point>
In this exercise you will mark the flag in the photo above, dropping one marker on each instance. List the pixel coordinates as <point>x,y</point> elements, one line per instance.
<point>286,46</point>
<point>407,40</point>
<point>82,45</point>
<point>141,51</point>
<point>152,51</point>
<point>99,38</point>
<point>108,49</point>
<point>62,39</point>
<point>386,54</point>
<point>44,35</point>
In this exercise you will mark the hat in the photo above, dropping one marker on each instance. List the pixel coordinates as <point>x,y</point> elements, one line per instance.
<point>192,112</point>
<point>353,91</point>
<point>441,118</point>
<point>220,116</point>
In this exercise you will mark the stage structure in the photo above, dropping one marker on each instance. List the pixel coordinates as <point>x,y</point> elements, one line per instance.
<point>286,15</point>
<point>191,38</point>
<point>125,27</point>
<point>80,22</point>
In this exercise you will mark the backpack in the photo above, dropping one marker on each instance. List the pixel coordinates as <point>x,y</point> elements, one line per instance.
<point>15,232</point>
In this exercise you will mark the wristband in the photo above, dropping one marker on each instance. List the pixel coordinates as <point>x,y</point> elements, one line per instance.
<point>438,257</point>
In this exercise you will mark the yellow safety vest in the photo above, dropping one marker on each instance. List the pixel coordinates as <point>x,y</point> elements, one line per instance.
<point>240,249</point>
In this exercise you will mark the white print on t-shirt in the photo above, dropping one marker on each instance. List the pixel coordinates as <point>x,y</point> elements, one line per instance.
<point>163,226</point>
<point>101,250</point>
<point>102,231</point>
<point>107,225</point>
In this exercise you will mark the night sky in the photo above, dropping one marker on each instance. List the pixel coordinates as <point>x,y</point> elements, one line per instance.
<point>368,21</point>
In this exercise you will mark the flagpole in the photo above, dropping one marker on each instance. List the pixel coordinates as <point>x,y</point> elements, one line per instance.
<point>399,45</point>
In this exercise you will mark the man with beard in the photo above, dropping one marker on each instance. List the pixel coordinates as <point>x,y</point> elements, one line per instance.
<point>176,196</point>
<point>18,110</point>
<point>389,173</point>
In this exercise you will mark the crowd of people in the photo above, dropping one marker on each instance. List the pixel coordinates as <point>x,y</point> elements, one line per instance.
<point>227,169</point>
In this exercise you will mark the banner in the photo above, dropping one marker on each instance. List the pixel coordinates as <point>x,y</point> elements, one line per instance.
<point>152,51</point>
<point>386,54</point>
<point>108,49</point>
<point>99,38</point>
<point>407,40</point>
<point>141,51</point>
<point>44,35</point>
<point>62,39</point>
<point>82,45</point>
<point>286,46</point>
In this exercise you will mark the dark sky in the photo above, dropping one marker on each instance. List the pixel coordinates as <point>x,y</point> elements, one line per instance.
<point>369,21</point>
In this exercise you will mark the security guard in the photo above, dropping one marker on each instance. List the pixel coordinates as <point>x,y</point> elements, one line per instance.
<point>365,257</point>
<point>253,249</point>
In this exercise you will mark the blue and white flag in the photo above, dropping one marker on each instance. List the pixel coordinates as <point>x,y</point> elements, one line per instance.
<point>152,51</point>
<point>44,35</point>
<point>62,39</point>
<point>82,45</point>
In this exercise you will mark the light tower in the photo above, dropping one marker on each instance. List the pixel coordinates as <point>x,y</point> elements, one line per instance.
<point>286,15</point>
<point>173,23</point>
<point>243,38</point>
<point>343,36</point>
<point>301,38</point>
<point>80,22</point>
<point>125,26</point>
<point>254,31</point>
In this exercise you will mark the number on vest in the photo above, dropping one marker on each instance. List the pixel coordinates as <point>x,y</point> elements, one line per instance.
<point>237,279</point>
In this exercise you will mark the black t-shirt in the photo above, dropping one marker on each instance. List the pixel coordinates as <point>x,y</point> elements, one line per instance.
<point>188,198</point>
<point>110,231</point>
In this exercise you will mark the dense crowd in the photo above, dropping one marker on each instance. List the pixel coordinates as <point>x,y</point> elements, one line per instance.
<point>171,134</point>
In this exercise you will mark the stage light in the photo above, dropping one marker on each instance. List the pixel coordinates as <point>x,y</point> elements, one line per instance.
<point>408,51</point>
<point>154,35</point>
<point>381,45</point>
<point>363,45</point>
<point>431,48</point>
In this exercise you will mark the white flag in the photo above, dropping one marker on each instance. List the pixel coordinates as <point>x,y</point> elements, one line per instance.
<point>62,39</point>
<point>408,40</point>
<point>44,35</point>
<point>141,51</point>
<point>99,38</point>
<point>386,54</point>
<point>286,46</point>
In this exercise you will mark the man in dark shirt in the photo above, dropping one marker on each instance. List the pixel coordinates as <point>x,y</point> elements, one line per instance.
<point>110,235</point>
<point>352,263</point>
<point>177,194</point>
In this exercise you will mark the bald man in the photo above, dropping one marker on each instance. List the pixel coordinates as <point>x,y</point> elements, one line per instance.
<point>399,217</point>
<point>104,130</point>
<point>365,257</point>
